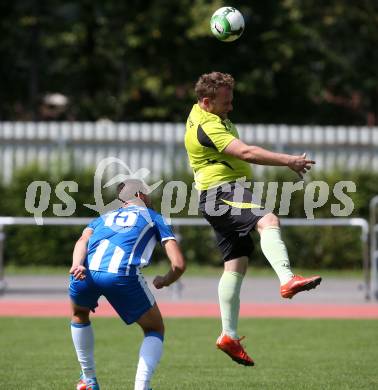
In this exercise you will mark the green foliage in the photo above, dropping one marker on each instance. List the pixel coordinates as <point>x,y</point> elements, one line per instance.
<point>44,245</point>
<point>324,247</point>
<point>298,62</point>
<point>311,247</point>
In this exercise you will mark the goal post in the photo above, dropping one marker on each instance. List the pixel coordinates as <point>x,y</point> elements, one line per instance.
<point>374,247</point>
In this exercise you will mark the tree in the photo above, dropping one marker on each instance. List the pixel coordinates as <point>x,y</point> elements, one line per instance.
<point>298,62</point>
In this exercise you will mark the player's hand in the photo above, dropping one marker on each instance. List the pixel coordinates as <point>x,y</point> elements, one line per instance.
<point>78,272</point>
<point>159,282</point>
<point>300,164</point>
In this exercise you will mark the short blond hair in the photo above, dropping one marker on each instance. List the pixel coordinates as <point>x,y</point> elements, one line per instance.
<point>209,83</point>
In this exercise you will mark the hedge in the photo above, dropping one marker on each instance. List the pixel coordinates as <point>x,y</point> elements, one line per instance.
<point>309,247</point>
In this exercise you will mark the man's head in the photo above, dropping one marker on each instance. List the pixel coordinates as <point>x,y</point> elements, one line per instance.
<point>133,191</point>
<point>54,106</point>
<point>215,93</point>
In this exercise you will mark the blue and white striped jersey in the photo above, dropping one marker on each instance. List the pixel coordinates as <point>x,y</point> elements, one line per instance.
<point>125,238</point>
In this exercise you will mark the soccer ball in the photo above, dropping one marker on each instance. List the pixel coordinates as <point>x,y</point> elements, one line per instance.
<point>227,24</point>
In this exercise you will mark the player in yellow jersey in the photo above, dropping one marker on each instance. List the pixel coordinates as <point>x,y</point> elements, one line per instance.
<point>222,165</point>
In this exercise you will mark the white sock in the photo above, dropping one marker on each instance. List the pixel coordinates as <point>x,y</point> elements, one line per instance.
<point>229,301</point>
<point>83,339</point>
<point>275,251</point>
<point>149,357</point>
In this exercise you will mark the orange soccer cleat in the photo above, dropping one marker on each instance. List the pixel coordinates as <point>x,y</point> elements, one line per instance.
<point>234,349</point>
<point>92,384</point>
<point>81,385</point>
<point>297,284</point>
<point>87,384</point>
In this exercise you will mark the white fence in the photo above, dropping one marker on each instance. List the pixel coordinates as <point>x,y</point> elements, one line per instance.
<point>159,146</point>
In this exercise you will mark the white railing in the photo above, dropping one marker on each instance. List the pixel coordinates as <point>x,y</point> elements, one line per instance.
<point>159,146</point>
<point>177,222</point>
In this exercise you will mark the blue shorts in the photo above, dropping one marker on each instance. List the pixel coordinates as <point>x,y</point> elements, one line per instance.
<point>129,295</point>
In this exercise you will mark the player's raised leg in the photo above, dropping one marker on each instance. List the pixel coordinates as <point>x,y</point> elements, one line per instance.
<point>83,340</point>
<point>151,349</point>
<point>275,251</point>
<point>229,302</point>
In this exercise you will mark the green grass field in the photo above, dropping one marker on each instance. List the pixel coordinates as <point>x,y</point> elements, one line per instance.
<point>37,353</point>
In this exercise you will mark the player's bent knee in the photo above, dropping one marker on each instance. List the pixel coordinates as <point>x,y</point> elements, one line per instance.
<point>80,314</point>
<point>238,265</point>
<point>152,321</point>
<point>268,220</point>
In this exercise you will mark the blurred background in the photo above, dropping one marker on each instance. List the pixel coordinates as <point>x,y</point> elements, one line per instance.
<point>298,62</point>
<point>84,80</point>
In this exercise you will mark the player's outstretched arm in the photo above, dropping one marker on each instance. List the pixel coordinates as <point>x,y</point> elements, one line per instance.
<point>79,253</point>
<point>177,265</point>
<point>257,155</point>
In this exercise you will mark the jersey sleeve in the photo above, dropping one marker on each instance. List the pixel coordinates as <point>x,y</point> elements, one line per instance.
<point>217,133</point>
<point>94,223</point>
<point>164,231</point>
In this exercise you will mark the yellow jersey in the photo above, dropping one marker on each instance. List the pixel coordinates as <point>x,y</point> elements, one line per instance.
<point>206,136</point>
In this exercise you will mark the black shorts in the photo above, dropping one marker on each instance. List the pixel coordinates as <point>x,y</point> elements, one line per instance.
<point>231,211</point>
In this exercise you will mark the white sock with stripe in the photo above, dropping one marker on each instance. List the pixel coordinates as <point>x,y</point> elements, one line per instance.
<point>83,339</point>
<point>275,251</point>
<point>149,357</point>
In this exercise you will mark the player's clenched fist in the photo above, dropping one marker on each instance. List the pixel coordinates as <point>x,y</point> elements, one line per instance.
<point>159,282</point>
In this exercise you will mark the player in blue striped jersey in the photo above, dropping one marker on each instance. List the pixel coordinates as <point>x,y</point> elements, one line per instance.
<point>107,260</point>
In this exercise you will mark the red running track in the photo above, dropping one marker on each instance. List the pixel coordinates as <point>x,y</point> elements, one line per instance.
<point>61,308</point>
